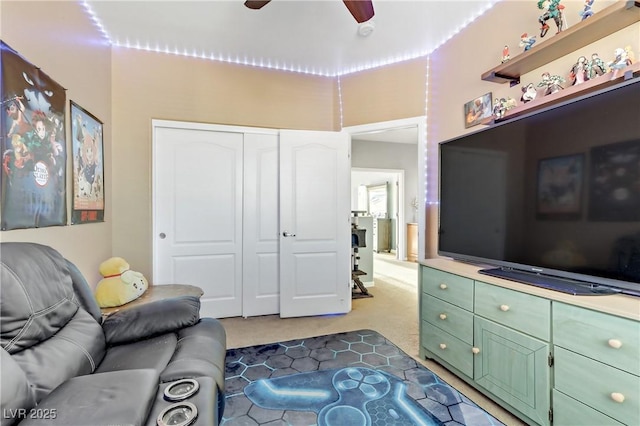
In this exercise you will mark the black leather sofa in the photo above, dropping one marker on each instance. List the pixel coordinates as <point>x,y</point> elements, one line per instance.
<point>62,364</point>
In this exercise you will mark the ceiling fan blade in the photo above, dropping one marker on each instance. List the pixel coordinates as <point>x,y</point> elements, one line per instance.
<point>255,4</point>
<point>362,10</point>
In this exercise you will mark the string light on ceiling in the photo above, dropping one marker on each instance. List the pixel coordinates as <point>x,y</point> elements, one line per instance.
<point>365,29</point>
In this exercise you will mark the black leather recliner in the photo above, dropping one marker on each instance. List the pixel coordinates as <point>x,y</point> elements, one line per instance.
<point>62,364</point>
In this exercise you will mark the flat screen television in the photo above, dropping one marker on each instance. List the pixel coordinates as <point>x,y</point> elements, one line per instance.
<point>550,198</point>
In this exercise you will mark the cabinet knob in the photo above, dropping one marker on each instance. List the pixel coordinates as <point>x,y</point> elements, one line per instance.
<point>504,308</point>
<point>475,350</point>
<point>615,343</point>
<point>617,397</point>
<point>443,346</point>
<point>443,316</point>
<point>443,286</point>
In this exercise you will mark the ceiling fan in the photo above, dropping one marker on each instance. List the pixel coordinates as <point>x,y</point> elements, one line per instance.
<point>362,10</point>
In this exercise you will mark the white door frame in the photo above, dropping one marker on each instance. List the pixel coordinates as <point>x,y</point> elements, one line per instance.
<point>421,123</point>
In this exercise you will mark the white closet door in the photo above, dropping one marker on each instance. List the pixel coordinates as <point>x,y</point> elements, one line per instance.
<point>261,286</point>
<point>315,223</point>
<point>197,191</point>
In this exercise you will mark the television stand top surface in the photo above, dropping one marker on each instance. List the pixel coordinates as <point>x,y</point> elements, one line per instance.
<point>564,285</point>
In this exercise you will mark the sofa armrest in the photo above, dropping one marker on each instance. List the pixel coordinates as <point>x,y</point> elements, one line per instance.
<point>151,319</point>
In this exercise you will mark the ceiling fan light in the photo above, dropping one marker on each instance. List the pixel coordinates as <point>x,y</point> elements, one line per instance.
<point>366,28</point>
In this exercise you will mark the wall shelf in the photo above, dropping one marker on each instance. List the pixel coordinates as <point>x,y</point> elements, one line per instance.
<point>606,22</point>
<point>589,86</point>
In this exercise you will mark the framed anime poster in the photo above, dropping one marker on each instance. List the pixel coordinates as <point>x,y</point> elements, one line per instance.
<point>88,167</point>
<point>32,135</point>
<point>614,185</point>
<point>559,194</point>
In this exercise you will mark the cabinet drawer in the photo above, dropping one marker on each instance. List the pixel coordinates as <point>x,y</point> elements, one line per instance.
<point>452,288</point>
<point>594,384</point>
<point>606,338</point>
<point>448,317</point>
<point>569,412</point>
<point>523,312</point>
<point>448,348</point>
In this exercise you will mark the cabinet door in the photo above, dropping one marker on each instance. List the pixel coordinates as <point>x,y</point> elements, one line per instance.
<point>514,367</point>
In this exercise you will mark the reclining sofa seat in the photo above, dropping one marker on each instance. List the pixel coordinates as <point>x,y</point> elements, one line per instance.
<point>61,363</point>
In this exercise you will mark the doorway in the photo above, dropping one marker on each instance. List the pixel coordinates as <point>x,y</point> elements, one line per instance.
<point>391,152</point>
<point>379,195</point>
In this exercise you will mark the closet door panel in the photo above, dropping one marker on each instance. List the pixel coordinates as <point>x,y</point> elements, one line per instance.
<point>197,190</point>
<point>315,223</point>
<point>261,286</point>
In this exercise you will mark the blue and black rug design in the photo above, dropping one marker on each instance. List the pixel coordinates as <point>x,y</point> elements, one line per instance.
<point>355,378</point>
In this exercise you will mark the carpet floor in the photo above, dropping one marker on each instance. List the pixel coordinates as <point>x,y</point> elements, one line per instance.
<point>344,379</point>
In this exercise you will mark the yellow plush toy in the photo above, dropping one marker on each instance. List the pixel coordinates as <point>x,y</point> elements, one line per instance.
<point>120,285</point>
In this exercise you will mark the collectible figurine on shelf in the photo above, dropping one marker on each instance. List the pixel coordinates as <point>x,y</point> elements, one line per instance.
<point>587,11</point>
<point>498,109</point>
<point>578,72</point>
<point>630,56</point>
<point>595,67</point>
<point>505,54</point>
<point>551,83</point>
<point>529,93</point>
<point>527,41</point>
<point>622,59</point>
<point>502,105</point>
<point>552,10</point>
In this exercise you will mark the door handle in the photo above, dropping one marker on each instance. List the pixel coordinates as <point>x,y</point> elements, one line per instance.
<point>288,234</point>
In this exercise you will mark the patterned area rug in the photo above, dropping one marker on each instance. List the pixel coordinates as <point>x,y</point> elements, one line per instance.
<point>345,379</point>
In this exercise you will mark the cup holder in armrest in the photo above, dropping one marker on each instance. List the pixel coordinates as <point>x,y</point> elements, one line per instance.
<point>203,396</point>
<point>181,390</point>
<point>178,414</point>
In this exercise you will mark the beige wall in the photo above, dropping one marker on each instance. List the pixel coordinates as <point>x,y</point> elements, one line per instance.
<point>59,38</point>
<point>383,94</point>
<point>150,86</point>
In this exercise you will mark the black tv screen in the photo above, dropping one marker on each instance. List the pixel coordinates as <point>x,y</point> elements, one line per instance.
<point>552,194</point>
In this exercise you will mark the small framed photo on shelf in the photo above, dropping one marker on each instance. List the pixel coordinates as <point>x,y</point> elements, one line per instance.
<point>475,111</point>
<point>88,170</point>
<point>559,192</point>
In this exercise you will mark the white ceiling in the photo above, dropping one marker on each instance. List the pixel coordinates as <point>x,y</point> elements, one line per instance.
<point>310,36</point>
